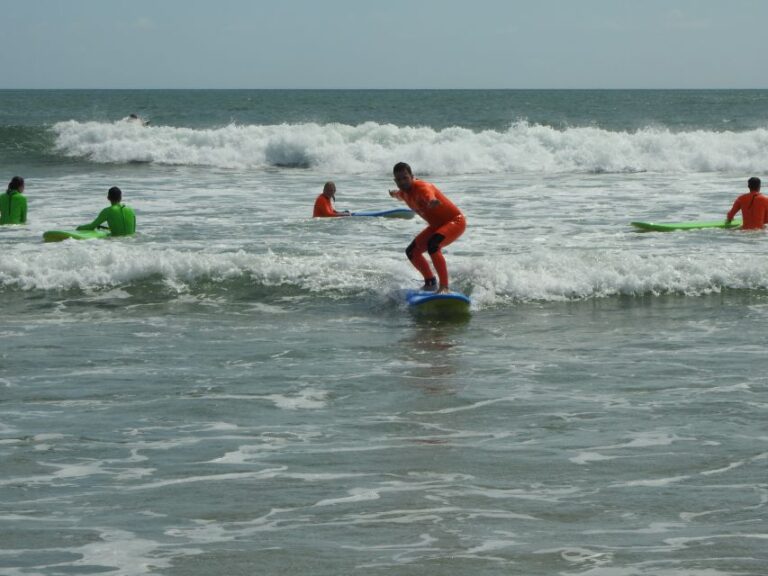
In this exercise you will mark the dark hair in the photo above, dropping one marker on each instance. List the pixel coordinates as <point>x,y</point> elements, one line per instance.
<point>402,167</point>
<point>115,194</point>
<point>754,183</point>
<point>16,183</point>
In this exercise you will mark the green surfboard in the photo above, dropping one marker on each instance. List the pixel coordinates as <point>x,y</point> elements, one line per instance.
<point>695,225</point>
<point>59,235</point>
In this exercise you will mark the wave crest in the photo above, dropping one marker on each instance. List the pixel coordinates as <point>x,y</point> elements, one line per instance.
<point>542,276</point>
<point>374,148</point>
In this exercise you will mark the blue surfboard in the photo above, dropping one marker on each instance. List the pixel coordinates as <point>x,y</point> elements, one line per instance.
<point>448,304</point>
<point>391,213</point>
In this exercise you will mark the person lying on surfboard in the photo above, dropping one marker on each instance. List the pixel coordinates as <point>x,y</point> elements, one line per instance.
<point>119,217</point>
<point>324,203</point>
<point>446,223</point>
<point>137,120</point>
<point>753,206</point>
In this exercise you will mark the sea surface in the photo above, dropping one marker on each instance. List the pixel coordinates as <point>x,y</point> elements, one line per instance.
<point>240,390</point>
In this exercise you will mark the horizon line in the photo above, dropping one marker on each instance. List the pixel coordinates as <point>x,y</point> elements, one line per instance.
<point>383,89</point>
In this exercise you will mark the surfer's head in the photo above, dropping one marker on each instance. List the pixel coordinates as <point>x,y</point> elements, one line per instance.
<point>329,190</point>
<point>114,195</point>
<point>16,183</point>
<point>754,184</point>
<point>403,176</point>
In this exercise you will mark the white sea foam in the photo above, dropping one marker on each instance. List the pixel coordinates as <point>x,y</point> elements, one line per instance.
<point>124,553</point>
<point>540,275</point>
<point>654,482</point>
<point>372,147</point>
<point>580,555</point>
<point>356,495</point>
<point>587,457</point>
<point>261,474</point>
<point>309,399</point>
<point>109,265</point>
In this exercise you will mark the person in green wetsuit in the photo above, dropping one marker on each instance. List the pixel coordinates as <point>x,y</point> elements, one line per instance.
<point>13,204</point>
<point>120,218</point>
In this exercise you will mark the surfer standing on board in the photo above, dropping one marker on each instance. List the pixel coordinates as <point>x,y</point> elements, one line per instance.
<point>324,203</point>
<point>446,223</point>
<point>753,206</point>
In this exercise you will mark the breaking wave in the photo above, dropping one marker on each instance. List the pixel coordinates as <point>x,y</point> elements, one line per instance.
<point>373,148</point>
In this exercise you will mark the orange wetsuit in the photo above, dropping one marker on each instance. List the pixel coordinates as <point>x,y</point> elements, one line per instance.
<point>323,208</point>
<point>446,223</point>
<point>754,210</point>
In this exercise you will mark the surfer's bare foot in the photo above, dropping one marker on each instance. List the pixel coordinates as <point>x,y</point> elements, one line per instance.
<point>443,290</point>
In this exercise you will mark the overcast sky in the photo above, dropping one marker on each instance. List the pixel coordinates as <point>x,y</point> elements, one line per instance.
<point>384,44</point>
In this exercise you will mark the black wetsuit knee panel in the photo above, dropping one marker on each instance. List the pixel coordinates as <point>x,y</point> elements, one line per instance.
<point>410,249</point>
<point>433,244</point>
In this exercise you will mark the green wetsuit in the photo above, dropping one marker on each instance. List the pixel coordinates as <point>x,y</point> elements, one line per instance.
<point>13,207</point>
<point>119,217</point>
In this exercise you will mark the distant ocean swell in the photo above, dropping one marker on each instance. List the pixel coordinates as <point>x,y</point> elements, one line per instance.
<point>372,148</point>
<point>542,275</point>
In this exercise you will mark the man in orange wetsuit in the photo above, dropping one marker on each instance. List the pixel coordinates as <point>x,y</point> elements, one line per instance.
<point>753,206</point>
<point>323,204</point>
<point>446,223</point>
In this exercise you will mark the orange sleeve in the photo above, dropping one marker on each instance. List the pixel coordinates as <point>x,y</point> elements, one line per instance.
<point>736,207</point>
<point>765,209</point>
<point>323,208</point>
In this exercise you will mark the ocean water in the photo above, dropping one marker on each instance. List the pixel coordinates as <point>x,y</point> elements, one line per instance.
<point>239,389</point>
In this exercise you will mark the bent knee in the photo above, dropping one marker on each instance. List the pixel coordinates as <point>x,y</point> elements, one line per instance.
<point>433,244</point>
<point>409,251</point>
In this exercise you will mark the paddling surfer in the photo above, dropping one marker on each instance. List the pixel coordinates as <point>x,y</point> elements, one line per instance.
<point>753,206</point>
<point>324,203</point>
<point>120,218</point>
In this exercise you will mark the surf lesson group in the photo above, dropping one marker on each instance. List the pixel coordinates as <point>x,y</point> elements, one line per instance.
<point>445,222</point>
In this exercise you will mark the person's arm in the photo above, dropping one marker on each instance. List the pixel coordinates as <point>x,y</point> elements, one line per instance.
<point>23,212</point>
<point>102,217</point>
<point>736,207</point>
<point>431,196</point>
